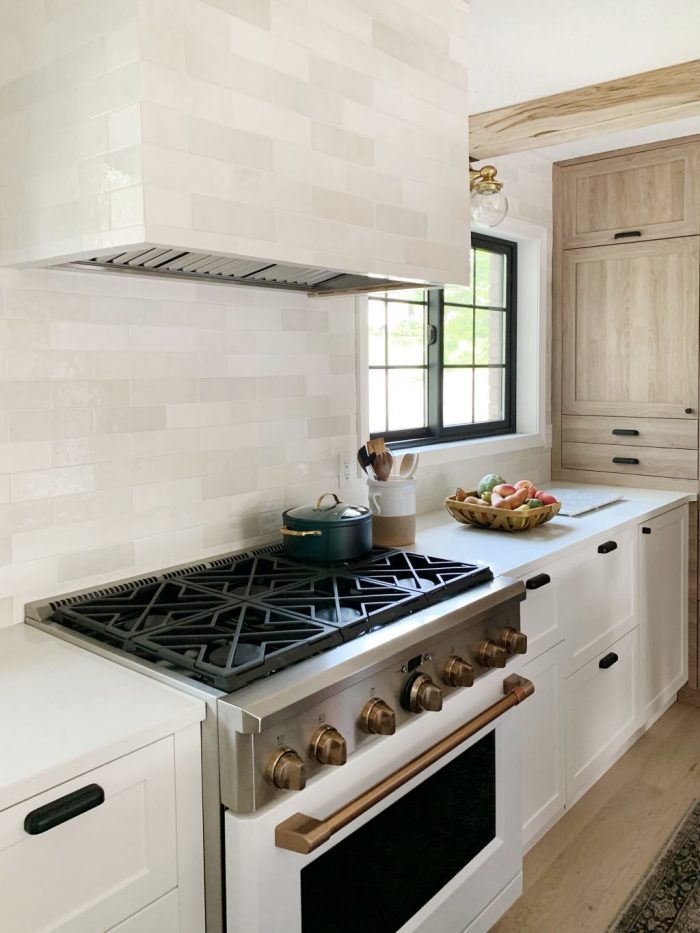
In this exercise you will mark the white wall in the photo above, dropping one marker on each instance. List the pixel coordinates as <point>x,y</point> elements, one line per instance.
<point>146,423</point>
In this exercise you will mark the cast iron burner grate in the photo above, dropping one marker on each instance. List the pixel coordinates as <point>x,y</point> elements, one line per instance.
<point>236,619</point>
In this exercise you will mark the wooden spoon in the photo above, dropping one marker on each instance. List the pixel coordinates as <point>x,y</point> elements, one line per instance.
<point>409,465</point>
<point>382,466</point>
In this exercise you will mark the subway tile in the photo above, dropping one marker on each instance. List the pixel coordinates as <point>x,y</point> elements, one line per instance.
<point>96,562</point>
<point>44,484</point>
<point>123,420</point>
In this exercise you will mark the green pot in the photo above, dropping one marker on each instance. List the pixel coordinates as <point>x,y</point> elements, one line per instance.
<point>327,533</point>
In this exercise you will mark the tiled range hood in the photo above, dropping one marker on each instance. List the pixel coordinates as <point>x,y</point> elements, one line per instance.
<point>313,144</point>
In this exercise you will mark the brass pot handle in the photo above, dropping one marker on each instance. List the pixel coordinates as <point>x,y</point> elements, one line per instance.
<point>303,834</point>
<point>291,533</point>
<point>321,498</point>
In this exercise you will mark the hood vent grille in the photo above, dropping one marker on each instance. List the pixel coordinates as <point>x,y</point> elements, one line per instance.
<point>213,267</point>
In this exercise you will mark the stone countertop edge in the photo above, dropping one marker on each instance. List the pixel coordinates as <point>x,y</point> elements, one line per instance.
<point>67,711</point>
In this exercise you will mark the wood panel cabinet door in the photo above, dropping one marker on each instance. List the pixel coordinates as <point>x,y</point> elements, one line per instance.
<point>630,329</point>
<point>636,196</point>
<point>663,607</point>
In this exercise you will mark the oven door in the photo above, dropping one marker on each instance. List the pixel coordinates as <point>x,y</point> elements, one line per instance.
<point>431,855</point>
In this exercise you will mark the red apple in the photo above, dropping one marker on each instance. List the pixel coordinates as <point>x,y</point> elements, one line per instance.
<point>546,499</point>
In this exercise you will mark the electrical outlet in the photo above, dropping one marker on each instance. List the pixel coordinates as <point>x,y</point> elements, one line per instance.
<point>345,471</point>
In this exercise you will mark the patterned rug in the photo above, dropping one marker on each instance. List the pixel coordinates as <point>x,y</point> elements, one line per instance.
<point>668,897</point>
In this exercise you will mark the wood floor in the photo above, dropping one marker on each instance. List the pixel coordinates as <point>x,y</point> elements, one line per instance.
<point>579,875</point>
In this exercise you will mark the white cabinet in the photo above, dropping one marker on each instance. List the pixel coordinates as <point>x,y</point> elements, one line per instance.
<point>663,618</point>
<point>159,917</point>
<point>540,617</point>
<point>543,748</point>
<point>602,712</point>
<point>92,868</point>
<point>598,583</point>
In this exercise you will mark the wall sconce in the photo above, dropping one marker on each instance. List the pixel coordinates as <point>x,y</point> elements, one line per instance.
<point>488,205</point>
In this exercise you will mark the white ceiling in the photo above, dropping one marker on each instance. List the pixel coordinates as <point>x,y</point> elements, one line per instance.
<point>520,50</point>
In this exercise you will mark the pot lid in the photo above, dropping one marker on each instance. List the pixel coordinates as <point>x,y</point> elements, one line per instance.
<point>332,513</point>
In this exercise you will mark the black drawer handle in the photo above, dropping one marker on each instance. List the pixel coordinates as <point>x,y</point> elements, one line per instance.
<point>608,661</point>
<point>627,233</point>
<point>630,460</point>
<point>626,432</point>
<point>541,579</point>
<point>646,531</point>
<point>607,546</point>
<point>64,809</point>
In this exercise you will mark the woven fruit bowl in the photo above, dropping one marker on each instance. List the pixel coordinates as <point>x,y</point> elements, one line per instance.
<point>484,516</point>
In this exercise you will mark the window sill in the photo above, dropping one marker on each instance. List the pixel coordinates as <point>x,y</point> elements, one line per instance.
<point>454,451</point>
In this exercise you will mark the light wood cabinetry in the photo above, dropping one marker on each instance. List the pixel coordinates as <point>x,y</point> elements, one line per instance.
<point>630,432</point>
<point>636,196</point>
<point>630,329</point>
<point>625,325</point>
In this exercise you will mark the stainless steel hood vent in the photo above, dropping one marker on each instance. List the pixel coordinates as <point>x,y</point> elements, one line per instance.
<point>212,267</point>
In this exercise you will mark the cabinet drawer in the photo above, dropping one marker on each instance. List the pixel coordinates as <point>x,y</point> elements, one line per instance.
<point>598,594</point>
<point>539,615</point>
<point>632,197</point>
<point>98,867</point>
<point>630,432</point>
<point>601,712</point>
<point>647,461</point>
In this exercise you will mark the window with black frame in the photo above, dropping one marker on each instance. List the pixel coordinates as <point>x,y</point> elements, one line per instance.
<point>442,361</point>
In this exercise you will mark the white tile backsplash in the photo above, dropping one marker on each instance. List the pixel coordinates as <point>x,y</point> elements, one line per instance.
<point>150,424</point>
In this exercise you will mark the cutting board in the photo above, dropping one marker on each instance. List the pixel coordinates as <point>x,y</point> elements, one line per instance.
<point>579,501</point>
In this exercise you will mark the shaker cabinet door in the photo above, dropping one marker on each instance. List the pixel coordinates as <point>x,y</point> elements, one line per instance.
<point>630,329</point>
<point>85,855</point>
<point>633,197</point>
<point>663,607</point>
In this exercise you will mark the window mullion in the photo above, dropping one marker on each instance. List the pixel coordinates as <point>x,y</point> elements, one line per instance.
<point>434,375</point>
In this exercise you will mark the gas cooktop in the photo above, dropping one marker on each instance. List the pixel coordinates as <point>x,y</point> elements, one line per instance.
<point>239,618</point>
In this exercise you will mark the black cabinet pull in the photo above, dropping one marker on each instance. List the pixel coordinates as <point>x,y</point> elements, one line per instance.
<point>689,411</point>
<point>626,432</point>
<point>646,531</point>
<point>629,460</point>
<point>607,546</point>
<point>541,579</point>
<point>608,661</point>
<point>627,233</point>
<point>64,809</point>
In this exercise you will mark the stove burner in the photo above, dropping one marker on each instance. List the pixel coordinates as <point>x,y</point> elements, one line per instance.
<point>240,618</point>
<point>351,603</point>
<point>243,637</point>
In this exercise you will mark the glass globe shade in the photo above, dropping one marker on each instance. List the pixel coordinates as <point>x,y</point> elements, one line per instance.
<point>488,208</point>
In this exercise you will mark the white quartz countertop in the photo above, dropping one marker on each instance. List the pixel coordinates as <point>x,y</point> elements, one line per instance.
<point>515,553</point>
<point>64,711</point>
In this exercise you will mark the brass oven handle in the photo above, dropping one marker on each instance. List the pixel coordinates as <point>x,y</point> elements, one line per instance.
<point>299,534</point>
<point>303,834</point>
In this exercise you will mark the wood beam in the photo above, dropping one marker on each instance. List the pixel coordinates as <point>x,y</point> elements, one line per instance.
<point>638,100</point>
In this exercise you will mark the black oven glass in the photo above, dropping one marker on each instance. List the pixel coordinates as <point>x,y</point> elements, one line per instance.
<point>377,878</point>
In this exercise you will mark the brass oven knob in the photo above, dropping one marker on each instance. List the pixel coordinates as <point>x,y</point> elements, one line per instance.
<point>513,641</point>
<point>378,718</point>
<point>286,770</point>
<point>492,655</point>
<point>421,694</point>
<point>328,746</point>
<point>457,672</point>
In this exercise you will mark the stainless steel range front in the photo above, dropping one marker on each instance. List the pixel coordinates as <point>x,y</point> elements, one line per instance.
<point>343,702</point>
